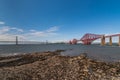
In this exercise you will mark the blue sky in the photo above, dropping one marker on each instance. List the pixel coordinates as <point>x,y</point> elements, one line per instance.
<point>57,20</point>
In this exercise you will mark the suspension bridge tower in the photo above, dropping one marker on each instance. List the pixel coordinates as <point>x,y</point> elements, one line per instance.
<point>16,40</point>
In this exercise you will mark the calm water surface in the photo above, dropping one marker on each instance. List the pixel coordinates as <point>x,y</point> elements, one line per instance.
<point>107,53</point>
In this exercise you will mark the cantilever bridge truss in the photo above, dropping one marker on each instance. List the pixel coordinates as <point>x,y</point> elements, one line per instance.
<point>88,38</point>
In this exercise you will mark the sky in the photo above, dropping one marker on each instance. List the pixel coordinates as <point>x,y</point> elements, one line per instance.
<point>57,20</point>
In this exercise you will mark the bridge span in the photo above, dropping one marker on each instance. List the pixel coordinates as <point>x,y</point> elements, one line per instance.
<point>88,38</point>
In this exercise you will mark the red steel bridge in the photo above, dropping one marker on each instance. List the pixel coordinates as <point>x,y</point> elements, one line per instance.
<point>88,38</point>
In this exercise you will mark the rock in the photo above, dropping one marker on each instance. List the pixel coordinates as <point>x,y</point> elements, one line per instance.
<point>53,66</point>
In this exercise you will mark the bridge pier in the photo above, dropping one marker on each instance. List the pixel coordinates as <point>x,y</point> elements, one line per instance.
<point>110,41</point>
<point>103,40</point>
<point>119,41</point>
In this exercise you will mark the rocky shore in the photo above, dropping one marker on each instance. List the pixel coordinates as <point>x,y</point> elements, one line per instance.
<point>53,66</point>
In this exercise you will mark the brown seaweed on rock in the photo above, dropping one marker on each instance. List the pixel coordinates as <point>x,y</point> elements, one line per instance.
<point>53,66</point>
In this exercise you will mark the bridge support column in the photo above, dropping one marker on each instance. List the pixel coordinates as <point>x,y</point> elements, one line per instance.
<point>119,41</point>
<point>110,41</point>
<point>103,40</point>
<point>16,40</point>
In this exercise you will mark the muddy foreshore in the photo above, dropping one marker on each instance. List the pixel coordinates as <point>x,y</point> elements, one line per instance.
<point>53,66</point>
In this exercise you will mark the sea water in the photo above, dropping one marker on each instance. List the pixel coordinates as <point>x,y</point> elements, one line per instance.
<point>106,53</point>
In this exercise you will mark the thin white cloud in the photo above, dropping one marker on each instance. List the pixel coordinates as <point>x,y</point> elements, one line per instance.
<point>4,29</point>
<point>7,37</point>
<point>10,37</point>
<point>5,34</point>
<point>37,33</point>
<point>32,30</point>
<point>20,30</point>
<point>52,29</point>
<point>1,22</point>
<point>9,33</point>
<point>46,33</point>
<point>42,34</point>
